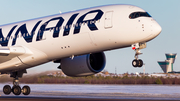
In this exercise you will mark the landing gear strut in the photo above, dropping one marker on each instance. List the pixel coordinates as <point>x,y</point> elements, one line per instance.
<point>16,89</point>
<point>137,46</point>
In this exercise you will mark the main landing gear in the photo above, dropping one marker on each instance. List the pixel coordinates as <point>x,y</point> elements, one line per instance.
<point>16,89</point>
<point>137,46</point>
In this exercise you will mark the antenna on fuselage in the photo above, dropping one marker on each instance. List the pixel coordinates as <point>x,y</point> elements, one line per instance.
<point>60,12</point>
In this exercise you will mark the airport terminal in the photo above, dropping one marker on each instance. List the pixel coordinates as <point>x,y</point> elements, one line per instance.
<point>167,65</point>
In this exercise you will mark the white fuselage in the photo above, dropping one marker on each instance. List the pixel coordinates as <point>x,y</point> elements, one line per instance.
<point>75,33</point>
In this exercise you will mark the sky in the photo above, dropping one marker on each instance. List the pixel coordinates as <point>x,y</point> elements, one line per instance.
<point>165,12</point>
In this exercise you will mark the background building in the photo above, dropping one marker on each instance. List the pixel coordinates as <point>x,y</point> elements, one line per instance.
<point>167,65</point>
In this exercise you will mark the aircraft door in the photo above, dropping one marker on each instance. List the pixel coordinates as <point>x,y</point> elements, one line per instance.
<point>108,19</point>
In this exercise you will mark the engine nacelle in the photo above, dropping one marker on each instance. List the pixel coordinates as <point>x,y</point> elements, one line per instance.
<point>83,65</point>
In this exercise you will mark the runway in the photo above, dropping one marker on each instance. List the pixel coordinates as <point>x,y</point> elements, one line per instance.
<point>72,99</point>
<point>68,92</point>
<point>35,98</point>
<point>55,99</point>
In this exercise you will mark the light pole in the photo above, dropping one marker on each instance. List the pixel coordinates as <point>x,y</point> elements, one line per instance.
<point>144,68</point>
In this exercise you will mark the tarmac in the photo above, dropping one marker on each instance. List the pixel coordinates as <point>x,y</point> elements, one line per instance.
<point>73,99</point>
<point>57,96</point>
<point>57,92</point>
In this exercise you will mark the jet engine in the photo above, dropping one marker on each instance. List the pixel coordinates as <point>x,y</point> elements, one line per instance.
<point>83,65</point>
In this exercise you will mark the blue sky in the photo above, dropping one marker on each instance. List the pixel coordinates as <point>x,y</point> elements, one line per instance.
<point>165,12</point>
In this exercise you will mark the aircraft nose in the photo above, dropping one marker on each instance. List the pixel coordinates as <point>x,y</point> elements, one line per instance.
<point>156,29</point>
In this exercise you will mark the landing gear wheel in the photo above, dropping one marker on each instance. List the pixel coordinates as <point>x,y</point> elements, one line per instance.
<point>16,90</point>
<point>26,90</point>
<point>7,89</point>
<point>135,63</point>
<point>140,63</point>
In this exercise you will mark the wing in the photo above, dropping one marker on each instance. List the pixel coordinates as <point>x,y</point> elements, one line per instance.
<point>7,53</point>
<point>16,58</point>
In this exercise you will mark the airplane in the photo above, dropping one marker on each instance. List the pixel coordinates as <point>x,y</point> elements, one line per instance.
<point>76,40</point>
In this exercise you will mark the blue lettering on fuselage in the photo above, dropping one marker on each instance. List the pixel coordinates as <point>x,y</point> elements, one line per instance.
<point>69,24</point>
<point>24,33</point>
<point>56,29</point>
<point>3,40</point>
<point>91,25</point>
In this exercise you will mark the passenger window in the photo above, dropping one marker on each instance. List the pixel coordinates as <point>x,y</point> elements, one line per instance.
<point>90,22</point>
<point>77,25</point>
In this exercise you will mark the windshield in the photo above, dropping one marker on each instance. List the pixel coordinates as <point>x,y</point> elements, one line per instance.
<point>138,14</point>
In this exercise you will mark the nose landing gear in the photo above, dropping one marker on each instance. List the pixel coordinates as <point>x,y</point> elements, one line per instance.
<point>137,46</point>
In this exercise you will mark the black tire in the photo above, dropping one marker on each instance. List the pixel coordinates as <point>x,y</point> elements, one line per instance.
<point>16,90</point>
<point>26,90</point>
<point>7,89</point>
<point>140,63</point>
<point>135,63</point>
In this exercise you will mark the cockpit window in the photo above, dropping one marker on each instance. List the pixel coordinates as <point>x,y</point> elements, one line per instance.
<point>138,14</point>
